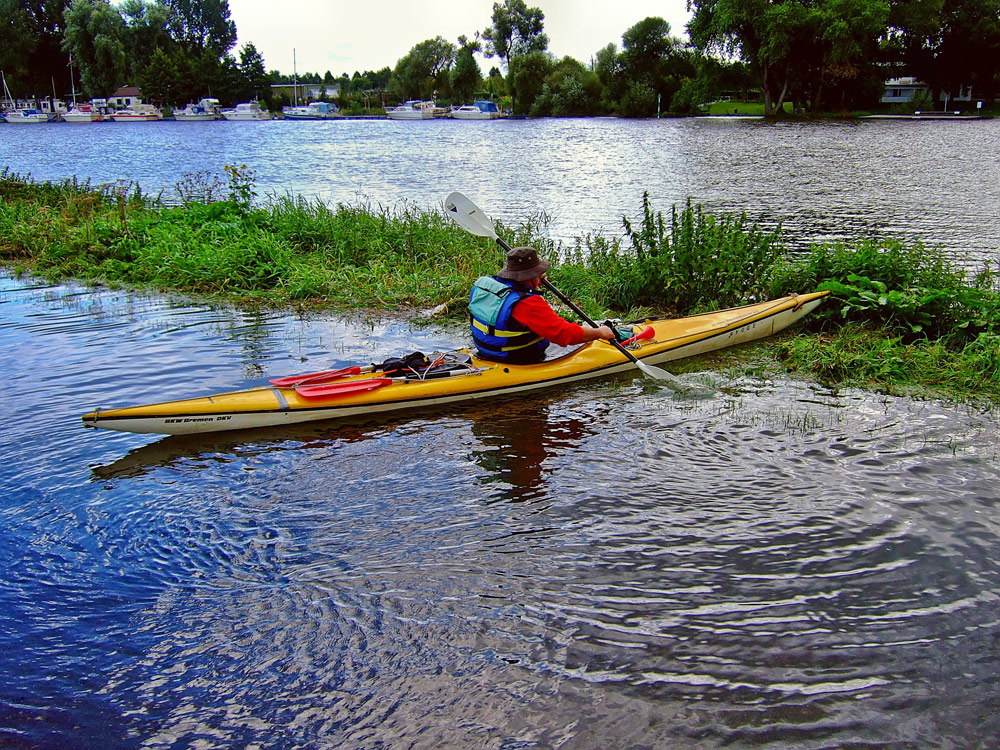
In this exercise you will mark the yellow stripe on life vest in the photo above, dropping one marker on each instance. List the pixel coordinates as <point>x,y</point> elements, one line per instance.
<point>496,331</point>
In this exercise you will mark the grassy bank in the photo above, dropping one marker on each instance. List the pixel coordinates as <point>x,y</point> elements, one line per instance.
<point>899,319</point>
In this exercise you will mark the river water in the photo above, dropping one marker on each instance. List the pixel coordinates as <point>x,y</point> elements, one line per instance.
<point>933,181</point>
<point>600,566</point>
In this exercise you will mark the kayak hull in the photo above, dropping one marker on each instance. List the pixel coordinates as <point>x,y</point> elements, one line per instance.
<point>272,406</point>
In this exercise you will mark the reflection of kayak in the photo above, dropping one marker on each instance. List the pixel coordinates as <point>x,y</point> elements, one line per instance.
<point>363,391</point>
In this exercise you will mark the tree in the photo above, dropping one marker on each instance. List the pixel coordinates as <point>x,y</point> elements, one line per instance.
<point>253,72</point>
<point>16,44</point>
<point>791,44</point>
<point>516,30</point>
<point>653,64</point>
<point>527,78</point>
<point>570,90</point>
<point>608,68</point>
<point>969,51</point>
<point>145,33</point>
<point>202,24</point>
<point>166,77</point>
<point>95,34</point>
<point>466,77</point>
<point>31,34</point>
<point>423,70</point>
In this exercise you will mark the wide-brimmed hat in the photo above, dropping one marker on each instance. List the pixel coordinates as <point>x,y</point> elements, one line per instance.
<point>523,264</point>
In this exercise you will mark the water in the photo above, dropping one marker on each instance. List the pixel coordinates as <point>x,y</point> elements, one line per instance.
<point>598,566</point>
<point>933,181</point>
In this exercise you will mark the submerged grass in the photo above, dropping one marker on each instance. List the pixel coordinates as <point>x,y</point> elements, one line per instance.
<point>900,317</point>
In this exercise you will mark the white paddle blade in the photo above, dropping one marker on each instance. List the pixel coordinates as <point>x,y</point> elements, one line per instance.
<point>467,215</point>
<point>672,381</point>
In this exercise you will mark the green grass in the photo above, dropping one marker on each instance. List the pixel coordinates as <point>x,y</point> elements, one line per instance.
<point>899,316</point>
<point>755,109</point>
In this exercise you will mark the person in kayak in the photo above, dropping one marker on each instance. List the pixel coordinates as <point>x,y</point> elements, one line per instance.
<point>512,322</point>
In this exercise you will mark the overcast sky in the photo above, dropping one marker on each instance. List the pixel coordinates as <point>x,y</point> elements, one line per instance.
<point>360,35</point>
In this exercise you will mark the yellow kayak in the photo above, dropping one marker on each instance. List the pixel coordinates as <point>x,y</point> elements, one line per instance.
<point>366,390</point>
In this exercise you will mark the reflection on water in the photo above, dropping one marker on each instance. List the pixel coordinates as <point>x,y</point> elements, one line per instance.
<point>600,566</point>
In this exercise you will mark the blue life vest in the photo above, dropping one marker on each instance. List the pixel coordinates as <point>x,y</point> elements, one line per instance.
<point>495,332</point>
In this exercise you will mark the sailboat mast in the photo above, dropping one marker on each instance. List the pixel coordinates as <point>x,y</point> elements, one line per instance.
<point>72,83</point>
<point>295,81</point>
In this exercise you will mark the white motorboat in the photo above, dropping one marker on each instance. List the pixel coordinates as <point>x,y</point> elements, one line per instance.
<point>20,116</point>
<point>83,113</point>
<point>479,110</point>
<point>138,112</point>
<point>80,112</point>
<point>412,110</point>
<point>247,112</point>
<point>15,114</point>
<point>312,111</point>
<point>206,109</point>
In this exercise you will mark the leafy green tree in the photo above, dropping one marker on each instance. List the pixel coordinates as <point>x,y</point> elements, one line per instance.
<point>966,51</point>
<point>95,37</point>
<point>527,78</point>
<point>788,43</point>
<point>16,44</point>
<point>608,68</point>
<point>31,34</point>
<point>166,77</point>
<point>466,77</point>
<point>570,90</point>
<point>516,30</point>
<point>423,71</point>
<point>651,61</point>
<point>145,33</point>
<point>645,47</point>
<point>253,72</point>
<point>202,24</point>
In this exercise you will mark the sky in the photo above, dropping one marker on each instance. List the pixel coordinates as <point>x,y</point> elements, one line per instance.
<point>344,37</point>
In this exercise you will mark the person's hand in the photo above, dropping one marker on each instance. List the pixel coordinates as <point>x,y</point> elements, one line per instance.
<point>604,332</point>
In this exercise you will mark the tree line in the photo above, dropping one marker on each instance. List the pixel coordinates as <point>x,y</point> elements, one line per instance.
<point>819,55</point>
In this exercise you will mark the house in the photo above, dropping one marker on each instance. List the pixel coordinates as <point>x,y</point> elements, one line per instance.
<point>903,90</point>
<point>909,89</point>
<point>125,97</point>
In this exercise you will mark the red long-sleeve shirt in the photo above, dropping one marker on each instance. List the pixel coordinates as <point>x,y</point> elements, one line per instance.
<point>534,312</point>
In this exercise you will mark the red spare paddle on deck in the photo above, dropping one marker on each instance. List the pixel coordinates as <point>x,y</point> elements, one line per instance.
<point>341,389</point>
<point>314,377</point>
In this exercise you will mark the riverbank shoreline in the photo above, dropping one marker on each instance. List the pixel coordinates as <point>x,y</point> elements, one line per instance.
<point>899,316</point>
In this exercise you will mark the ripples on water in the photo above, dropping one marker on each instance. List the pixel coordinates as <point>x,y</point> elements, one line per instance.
<point>601,566</point>
<point>931,181</point>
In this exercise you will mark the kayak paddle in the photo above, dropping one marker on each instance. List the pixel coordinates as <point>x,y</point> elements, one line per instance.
<point>316,377</point>
<point>342,389</point>
<point>468,215</point>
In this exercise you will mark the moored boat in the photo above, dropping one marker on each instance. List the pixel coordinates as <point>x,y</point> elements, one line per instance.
<point>412,110</point>
<point>19,115</point>
<point>137,112</point>
<point>463,376</point>
<point>83,113</point>
<point>247,112</point>
<point>478,110</point>
<point>205,110</point>
<point>312,111</point>
<point>25,116</point>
